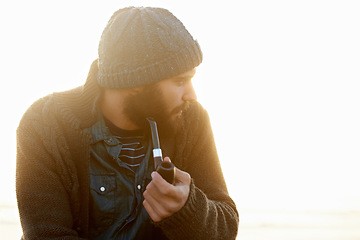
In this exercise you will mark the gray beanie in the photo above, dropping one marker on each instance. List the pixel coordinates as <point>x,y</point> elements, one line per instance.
<point>144,45</point>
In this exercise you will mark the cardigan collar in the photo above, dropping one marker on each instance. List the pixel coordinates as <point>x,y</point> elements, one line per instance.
<point>79,105</point>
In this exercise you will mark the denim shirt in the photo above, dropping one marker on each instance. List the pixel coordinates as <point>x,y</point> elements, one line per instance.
<point>116,191</point>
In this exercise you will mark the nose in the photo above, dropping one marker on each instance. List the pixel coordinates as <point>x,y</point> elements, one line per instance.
<point>189,94</point>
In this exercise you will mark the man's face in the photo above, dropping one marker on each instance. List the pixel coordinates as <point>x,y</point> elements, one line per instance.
<point>164,101</point>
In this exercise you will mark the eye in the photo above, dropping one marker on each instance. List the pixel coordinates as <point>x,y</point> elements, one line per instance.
<point>181,82</point>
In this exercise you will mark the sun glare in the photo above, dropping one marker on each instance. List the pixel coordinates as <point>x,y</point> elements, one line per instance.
<point>280,80</point>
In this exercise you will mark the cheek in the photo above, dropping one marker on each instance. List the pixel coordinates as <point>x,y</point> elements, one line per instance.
<point>173,97</point>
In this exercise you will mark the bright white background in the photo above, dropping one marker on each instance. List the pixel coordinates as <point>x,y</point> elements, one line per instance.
<point>280,80</point>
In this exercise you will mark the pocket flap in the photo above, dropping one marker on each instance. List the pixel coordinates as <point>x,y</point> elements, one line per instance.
<point>103,184</point>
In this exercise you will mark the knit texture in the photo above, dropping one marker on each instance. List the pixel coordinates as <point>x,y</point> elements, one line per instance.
<point>52,173</point>
<point>141,45</point>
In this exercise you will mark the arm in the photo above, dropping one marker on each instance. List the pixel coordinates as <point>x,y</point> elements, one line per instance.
<point>208,212</point>
<point>43,200</point>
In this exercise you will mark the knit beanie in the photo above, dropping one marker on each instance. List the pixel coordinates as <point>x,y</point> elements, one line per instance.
<point>143,45</point>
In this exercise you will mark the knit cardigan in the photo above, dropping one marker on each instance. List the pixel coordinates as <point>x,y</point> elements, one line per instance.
<point>52,171</point>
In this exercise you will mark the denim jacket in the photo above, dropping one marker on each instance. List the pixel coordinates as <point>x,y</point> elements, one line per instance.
<point>116,210</point>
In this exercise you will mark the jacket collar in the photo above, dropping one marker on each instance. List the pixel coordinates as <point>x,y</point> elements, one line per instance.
<point>79,105</point>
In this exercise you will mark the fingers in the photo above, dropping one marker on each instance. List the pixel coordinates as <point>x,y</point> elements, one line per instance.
<point>163,199</point>
<point>150,210</point>
<point>159,203</point>
<point>162,206</point>
<point>159,188</point>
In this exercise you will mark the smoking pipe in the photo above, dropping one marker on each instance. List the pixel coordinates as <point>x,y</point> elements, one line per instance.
<point>165,169</point>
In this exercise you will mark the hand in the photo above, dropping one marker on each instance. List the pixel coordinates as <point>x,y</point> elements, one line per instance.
<point>163,199</point>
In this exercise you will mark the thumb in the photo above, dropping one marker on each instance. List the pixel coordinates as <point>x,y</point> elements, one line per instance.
<point>182,177</point>
<point>167,159</point>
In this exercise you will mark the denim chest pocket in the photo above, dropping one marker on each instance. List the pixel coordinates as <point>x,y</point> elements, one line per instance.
<point>103,198</point>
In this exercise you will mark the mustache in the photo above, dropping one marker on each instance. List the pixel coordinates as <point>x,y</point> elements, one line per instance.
<point>183,107</point>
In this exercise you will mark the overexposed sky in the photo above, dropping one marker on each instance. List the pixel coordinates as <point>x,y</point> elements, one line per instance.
<point>280,80</point>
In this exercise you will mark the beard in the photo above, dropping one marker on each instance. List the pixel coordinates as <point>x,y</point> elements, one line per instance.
<point>150,103</point>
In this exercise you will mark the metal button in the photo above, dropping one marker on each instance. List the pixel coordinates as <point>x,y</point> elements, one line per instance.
<point>102,189</point>
<point>139,186</point>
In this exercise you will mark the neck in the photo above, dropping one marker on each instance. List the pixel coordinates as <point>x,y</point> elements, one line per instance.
<point>112,107</point>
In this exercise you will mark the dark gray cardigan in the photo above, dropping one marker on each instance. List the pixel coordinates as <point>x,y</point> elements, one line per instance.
<point>52,172</point>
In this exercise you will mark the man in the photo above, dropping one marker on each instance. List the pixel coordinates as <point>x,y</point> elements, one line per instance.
<point>84,163</point>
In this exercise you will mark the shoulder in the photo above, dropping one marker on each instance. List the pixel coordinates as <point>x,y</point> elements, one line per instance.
<point>35,112</point>
<point>44,109</point>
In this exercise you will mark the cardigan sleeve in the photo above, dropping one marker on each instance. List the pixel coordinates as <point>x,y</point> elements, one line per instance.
<point>43,201</point>
<point>209,212</point>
